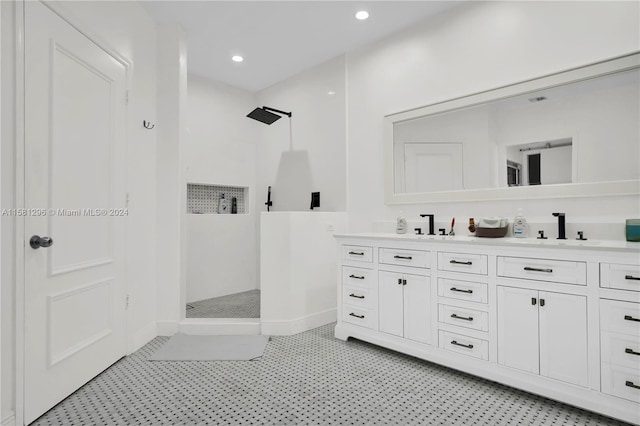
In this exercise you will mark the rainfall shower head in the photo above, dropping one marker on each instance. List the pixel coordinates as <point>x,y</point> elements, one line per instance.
<point>266,115</point>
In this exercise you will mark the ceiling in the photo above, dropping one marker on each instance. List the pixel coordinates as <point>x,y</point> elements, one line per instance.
<point>279,39</point>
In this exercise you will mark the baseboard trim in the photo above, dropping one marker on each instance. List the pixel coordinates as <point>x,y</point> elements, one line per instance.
<point>298,325</point>
<point>9,420</point>
<point>166,328</point>
<point>142,337</point>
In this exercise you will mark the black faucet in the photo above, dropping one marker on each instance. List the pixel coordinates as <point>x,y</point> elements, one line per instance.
<point>431,229</point>
<point>561,226</point>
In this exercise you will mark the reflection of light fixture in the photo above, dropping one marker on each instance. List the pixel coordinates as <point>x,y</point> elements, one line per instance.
<point>538,99</point>
<point>266,115</point>
<point>362,15</point>
<point>237,58</point>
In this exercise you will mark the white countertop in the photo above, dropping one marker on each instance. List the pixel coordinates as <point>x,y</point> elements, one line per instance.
<point>616,245</point>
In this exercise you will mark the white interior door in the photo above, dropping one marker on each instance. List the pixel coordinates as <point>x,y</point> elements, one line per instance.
<point>74,176</point>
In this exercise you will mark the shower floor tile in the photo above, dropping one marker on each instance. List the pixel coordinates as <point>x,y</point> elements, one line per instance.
<point>237,305</point>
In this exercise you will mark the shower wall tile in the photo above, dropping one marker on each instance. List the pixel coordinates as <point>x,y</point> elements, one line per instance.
<point>203,199</point>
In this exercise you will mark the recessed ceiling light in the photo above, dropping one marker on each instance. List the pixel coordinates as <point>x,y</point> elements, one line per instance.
<point>362,15</point>
<point>237,58</point>
<point>331,92</point>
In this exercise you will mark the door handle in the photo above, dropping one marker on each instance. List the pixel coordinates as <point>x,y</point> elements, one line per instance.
<point>356,296</point>
<point>631,351</point>
<point>630,318</point>
<point>631,277</point>
<point>357,277</point>
<point>357,316</point>
<point>402,257</point>
<point>37,241</point>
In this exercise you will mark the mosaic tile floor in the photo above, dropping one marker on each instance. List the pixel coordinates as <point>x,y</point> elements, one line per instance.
<point>307,379</point>
<point>238,305</point>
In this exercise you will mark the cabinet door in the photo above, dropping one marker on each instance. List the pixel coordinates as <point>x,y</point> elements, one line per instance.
<point>518,328</point>
<point>563,337</point>
<point>390,306</point>
<point>417,308</point>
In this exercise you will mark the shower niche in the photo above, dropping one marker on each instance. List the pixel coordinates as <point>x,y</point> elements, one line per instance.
<point>205,198</point>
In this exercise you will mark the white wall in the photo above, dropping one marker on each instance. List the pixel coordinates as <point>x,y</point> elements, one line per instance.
<point>315,158</point>
<point>472,48</point>
<point>298,270</point>
<point>170,177</point>
<point>127,29</point>
<point>222,252</point>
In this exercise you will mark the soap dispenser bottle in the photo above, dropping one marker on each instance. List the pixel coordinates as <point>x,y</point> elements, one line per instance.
<point>519,225</point>
<point>223,207</point>
<point>401,224</point>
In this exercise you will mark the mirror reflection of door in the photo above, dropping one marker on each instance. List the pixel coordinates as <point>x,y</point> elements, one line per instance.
<point>540,163</point>
<point>431,167</point>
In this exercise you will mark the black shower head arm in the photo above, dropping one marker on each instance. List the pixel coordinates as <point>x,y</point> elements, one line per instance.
<point>266,108</point>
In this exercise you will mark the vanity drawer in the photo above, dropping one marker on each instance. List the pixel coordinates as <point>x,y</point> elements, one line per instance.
<point>620,349</point>
<point>357,316</point>
<point>357,277</point>
<point>460,262</point>
<point>403,257</point>
<point>623,277</point>
<point>621,382</point>
<point>358,253</point>
<point>463,317</point>
<point>465,345</point>
<point>356,296</point>
<point>562,271</point>
<point>463,290</point>
<point>620,317</point>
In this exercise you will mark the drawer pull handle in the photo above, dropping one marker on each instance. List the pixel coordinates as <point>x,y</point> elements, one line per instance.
<point>461,291</point>
<point>462,318</point>
<point>630,318</point>
<point>357,316</point>
<point>357,277</point>
<point>631,277</point>
<point>457,262</point>
<point>630,384</point>
<point>357,253</point>
<point>529,268</point>
<point>469,346</point>
<point>402,257</point>
<point>631,351</point>
<point>356,296</point>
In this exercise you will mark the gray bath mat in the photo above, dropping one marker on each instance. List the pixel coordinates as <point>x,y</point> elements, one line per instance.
<point>185,347</point>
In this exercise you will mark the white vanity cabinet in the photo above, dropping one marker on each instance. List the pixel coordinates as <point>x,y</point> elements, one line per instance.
<point>404,308</point>
<point>543,333</point>
<point>557,318</point>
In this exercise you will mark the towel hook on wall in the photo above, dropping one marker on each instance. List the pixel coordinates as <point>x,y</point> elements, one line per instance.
<point>148,125</point>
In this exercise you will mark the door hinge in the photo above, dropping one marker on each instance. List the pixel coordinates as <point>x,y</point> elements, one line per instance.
<point>126,302</point>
